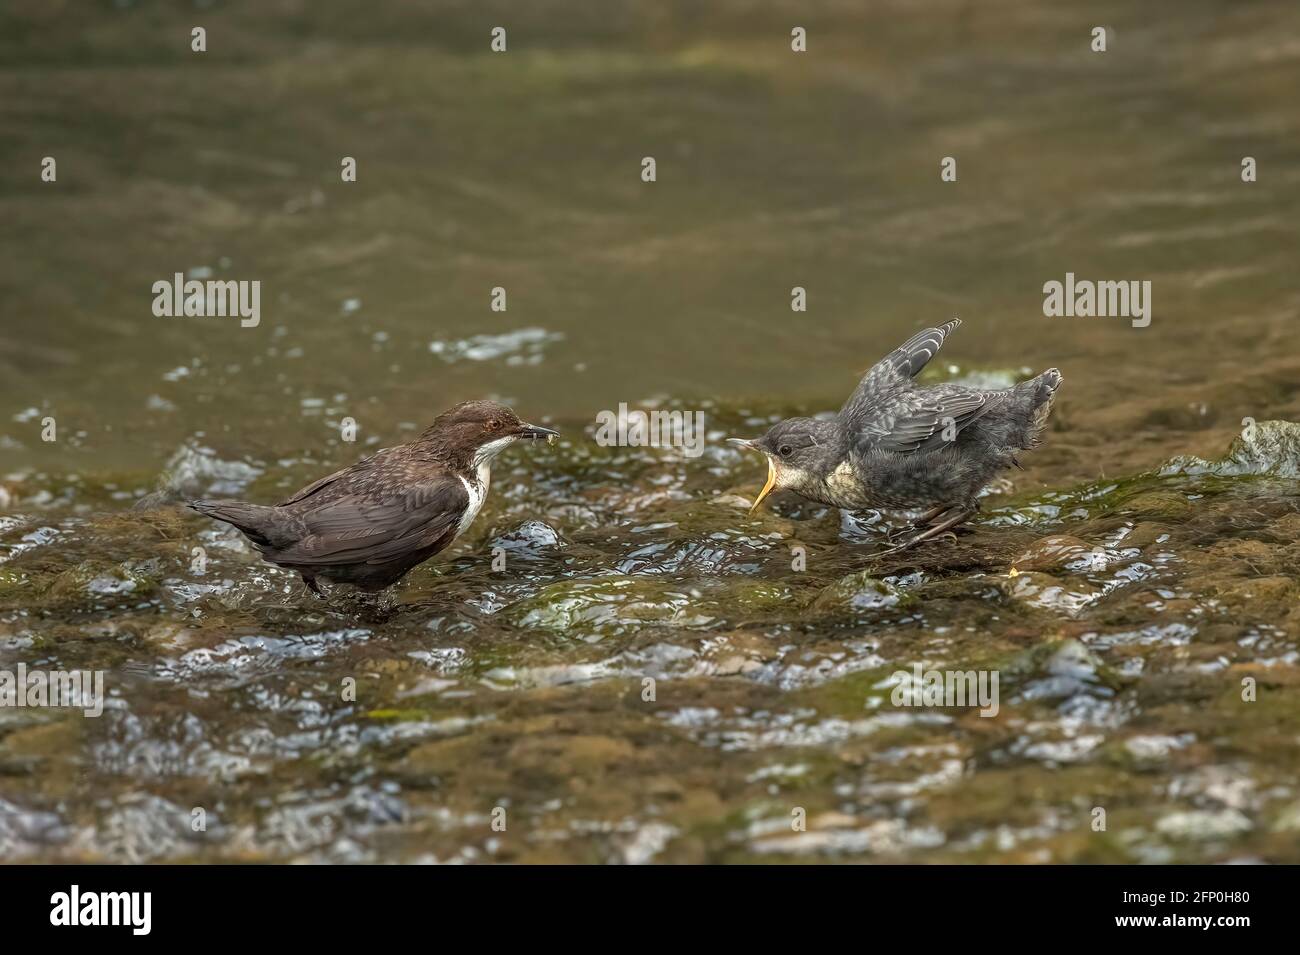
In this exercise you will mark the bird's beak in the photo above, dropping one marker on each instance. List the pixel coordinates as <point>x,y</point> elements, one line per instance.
<point>535,432</point>
<point>771,471</point>
<point>767,488</point>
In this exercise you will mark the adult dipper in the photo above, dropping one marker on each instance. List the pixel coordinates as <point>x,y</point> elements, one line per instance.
<point>898,446</point>
<point>369,524</point>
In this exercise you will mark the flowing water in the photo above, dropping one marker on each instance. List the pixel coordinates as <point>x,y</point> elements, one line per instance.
<point>654,675</point>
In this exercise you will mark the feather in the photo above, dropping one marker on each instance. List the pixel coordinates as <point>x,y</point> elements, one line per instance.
<point>918,420</point>
<point>893,374</point>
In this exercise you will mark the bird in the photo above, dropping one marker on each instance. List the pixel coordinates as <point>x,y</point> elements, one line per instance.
<point>899,446</point>
<point>369,524</point>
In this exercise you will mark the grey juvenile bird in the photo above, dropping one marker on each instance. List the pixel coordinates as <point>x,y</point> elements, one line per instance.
<point>370,523</point>
<point>901,447</point>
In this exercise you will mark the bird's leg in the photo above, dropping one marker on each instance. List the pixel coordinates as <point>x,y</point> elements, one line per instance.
<point>971,508</point>
<point>929,516</point>
<point>943,527</point>
<point>310,581</point>
<point>919,522</point>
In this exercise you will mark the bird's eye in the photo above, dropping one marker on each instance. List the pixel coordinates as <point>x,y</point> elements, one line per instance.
<point>785,450</point>
<point>494,425</point>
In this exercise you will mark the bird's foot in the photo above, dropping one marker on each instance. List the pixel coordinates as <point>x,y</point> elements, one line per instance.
<point>899,547</point>
<point>376,608</point>
<point>372,607</point>
<point>917,524</point>
<point>945,529</point>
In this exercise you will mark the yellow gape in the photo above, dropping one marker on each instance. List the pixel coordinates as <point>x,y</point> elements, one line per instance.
<point>771,480</point>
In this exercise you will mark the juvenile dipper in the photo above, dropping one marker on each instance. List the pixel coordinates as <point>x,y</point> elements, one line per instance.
<point>897,446</point>
<point>369,524</point>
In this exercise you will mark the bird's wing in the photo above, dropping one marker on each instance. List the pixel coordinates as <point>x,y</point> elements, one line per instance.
<point>359,468</point>
<point>380,526</point>
<point>893,374</point>
<point>922,420</point>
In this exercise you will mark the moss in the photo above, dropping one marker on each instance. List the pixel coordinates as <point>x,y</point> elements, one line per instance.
<point>858,594</point>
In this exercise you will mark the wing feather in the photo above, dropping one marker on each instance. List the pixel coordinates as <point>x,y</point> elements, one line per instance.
<point>355,471</point>
<point>892,375</point>
<point>379,528</point>
<point>915,353</point>
<point>917,421</point>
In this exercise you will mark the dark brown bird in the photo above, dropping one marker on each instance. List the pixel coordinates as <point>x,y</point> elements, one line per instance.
<point>369,524</point>
<point>898,446</point>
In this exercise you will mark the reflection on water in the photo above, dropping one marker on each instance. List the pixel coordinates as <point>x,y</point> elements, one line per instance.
<point>1123,596</point>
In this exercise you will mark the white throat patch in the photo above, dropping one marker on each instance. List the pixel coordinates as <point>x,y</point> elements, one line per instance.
<point>484,455</point>
<point>477,489</point>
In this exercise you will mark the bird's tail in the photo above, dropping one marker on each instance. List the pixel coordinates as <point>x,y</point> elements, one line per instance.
<point>1037,395</point>
<point>252,519</point>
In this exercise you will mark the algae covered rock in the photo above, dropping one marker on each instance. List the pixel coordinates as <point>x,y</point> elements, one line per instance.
<point>1047,592</point>
<point>81,588</point>
<point>1056,552</point>
<point>1059,669</point>
<point>594,608</point>
<point>591,608</point>
<point>1263,448</point>
<point>855,593</point>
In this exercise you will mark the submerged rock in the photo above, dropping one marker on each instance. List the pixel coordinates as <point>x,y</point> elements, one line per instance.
<point>1061,669</point>
<point>1263,448</point>
<point>738,653</point>
<point>81,588</point>
<point>591,609</point>
<point>195,471</point>
<point>26,831</point>
<point>529,539</point>
<point>1051,593</point>
<point>1204,824</point>
<point>1166,506</point>
<point>855,593</point>
<point>1056,552</point>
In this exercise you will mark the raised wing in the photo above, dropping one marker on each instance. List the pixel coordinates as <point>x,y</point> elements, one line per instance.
<point>923,420</point>
<point>915,353</point>
<point>378,527</point>
<point>893,374</point>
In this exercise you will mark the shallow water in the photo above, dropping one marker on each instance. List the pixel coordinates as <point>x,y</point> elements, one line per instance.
<point>1122,599</point>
